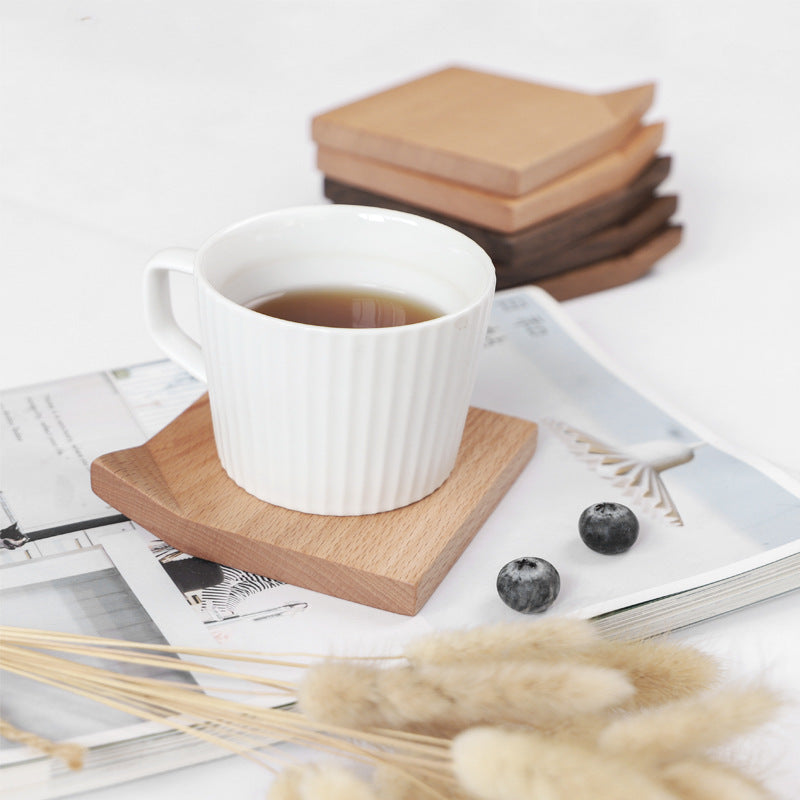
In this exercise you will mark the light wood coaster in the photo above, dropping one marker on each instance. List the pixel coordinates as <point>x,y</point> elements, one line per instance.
<point>492,132</point>
<point>506,214</point>
<point>536,241</point>
<point>174,486</point>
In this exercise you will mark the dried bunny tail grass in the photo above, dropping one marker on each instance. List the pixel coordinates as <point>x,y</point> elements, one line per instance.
<point>688,726</point>
<point>341,693</point>
<point>706,780</point>
<point>336,782</point>
<point>323,782</point>
<point>286,785</point>
<point>497,764</point>
<point>162,657</point>
<point>460,696</point>
<point>333,782</point>
<point>240,728</point>
<point>393,784</point>
<point>71,754</point>
<point>125,650</point>
<point>447,699</point>
<point>581,729</point>
<point>549,639</point>
<point>661,671</point>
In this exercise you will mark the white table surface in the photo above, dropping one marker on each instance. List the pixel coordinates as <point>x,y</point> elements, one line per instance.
<point>126,127</point>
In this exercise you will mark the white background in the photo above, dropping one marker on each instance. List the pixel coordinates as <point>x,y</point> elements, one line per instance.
<point>126,127</point>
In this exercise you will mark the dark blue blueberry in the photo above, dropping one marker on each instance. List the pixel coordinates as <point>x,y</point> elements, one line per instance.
<point>608,528</point>
<point>528,585</point>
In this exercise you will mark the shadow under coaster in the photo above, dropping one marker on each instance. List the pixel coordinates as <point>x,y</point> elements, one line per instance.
<point>175,487</point>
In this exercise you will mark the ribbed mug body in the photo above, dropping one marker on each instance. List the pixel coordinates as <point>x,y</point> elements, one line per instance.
<point>341,421</point>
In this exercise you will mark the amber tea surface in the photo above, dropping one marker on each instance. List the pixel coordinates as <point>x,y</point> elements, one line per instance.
<point>345,307</point>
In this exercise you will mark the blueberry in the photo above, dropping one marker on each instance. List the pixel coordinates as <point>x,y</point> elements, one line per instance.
<point>608,528</point>
<point>528,585</point>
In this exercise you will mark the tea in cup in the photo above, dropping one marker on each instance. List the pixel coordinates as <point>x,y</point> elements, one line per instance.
<point>339,345</point>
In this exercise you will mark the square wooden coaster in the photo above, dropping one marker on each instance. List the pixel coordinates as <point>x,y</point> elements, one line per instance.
<point>537,241</point>
<point>610,272</point>
<point>491,132</point>
<point>593,179</point>
<point>174,486</point>
<point>611,242</point>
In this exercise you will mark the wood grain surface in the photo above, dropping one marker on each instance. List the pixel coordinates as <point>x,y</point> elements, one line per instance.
<point>600,177</point>
<point>175,487</point>
<point>536,241</point>
<point>491,132</point>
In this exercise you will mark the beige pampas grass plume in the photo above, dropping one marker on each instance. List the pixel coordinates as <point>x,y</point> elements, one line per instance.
<point>548,639</point>
<point>688,726</point>
<point>444,700</point>
<point>498,764</point>
<point>706,780</point>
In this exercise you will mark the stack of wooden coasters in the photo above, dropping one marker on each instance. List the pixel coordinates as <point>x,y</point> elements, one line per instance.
<point>560,187</point>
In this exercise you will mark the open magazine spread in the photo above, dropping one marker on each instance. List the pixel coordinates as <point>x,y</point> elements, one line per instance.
<point>717,532</point>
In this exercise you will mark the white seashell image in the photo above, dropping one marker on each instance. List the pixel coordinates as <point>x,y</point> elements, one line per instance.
<point>635,469</point>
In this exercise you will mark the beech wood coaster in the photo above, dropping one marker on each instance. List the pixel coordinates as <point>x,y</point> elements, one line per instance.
<point>491,132</point>
<point>175,487</point>
<point>599,177</point>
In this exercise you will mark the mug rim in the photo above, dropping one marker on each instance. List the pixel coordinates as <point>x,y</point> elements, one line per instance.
<point>346,210</point>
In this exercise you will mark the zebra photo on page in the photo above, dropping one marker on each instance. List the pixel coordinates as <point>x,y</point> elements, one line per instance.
<point>218,592</point>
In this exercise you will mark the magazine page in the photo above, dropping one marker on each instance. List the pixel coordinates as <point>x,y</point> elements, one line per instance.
<point>111,590</point>
<point>70,563</point>
<point>704,511</point>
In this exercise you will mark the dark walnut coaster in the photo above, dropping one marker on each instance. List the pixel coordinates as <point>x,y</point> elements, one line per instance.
<point>611,242</point>
<point>174,486</point>
<point>536,241</point>
<point>613,271</point>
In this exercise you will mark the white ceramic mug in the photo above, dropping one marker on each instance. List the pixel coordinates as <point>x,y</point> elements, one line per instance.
<point>324,420</point>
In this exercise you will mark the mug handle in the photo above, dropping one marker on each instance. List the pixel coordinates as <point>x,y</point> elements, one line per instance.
<point>163,327</point>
